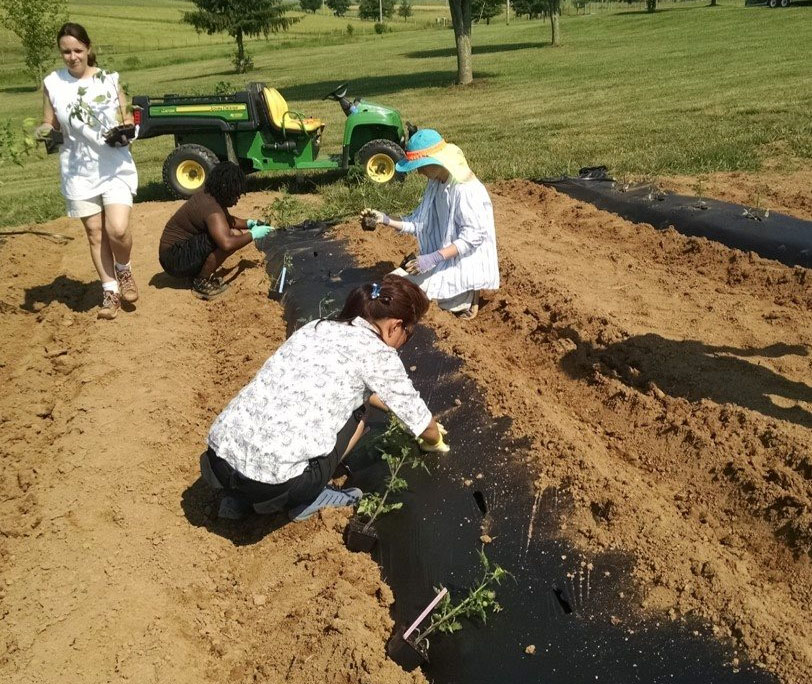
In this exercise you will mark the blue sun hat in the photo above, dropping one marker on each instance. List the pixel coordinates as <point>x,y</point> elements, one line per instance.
<point>428,147</point>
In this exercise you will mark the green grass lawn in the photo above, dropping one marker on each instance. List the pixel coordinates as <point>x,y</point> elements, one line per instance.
<point>690,89</point>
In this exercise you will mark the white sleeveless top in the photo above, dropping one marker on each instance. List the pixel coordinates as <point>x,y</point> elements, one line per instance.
<point>88,164</point>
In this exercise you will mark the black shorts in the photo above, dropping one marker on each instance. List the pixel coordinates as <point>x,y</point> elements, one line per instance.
<point>303,488</point>
<point>185,259</point>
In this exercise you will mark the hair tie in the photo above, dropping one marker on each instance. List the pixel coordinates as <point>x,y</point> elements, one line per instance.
<point>376,291</point>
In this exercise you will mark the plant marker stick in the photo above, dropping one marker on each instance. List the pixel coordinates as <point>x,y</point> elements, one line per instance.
<point>282,279</point>
<point>423,615</point>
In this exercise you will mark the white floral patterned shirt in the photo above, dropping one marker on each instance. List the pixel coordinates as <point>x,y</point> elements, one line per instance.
<point>305,393</point>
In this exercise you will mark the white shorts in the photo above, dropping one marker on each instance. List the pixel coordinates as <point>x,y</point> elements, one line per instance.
<point>117,193</point>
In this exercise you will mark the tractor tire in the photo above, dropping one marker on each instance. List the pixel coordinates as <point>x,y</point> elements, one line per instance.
<point>784,3</point>
<point>378,158</point>
<point>186,168</point>
<point>772,3</point>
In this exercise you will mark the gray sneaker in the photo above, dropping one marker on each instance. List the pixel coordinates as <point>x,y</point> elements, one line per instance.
<point>330,497</point>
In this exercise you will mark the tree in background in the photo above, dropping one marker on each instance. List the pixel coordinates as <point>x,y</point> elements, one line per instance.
<point>310,5</point>
<point>532,9</point>
<point>35,23</point>
<point>651,6</point>
<point>369,9</point>
<point>541,8</point>
<point>485,10</point>
<point>405,9</point>
<point>338,7</point>
<point>240,18</point>
<point>554,10</point>
<point>461,21</point>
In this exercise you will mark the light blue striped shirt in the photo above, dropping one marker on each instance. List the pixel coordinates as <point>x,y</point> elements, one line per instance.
<point>460,214</point>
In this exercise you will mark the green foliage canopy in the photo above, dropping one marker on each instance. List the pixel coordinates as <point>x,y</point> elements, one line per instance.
<point>485,10</point>
<point>338,7</point>
<point>310,5</point>
<point>35,23</point>
<point>368,9</point>
<point>240,18</point>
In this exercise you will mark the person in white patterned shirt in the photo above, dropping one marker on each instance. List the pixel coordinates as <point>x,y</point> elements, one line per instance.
<point>278,443</point>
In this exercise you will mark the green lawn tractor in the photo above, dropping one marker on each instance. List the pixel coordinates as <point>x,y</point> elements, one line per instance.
<point>255,129</point>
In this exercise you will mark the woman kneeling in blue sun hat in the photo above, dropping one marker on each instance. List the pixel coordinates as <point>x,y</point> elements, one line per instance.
<point>453,225</point>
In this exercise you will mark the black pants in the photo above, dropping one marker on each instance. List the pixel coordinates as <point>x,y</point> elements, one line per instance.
<point>185,259</point>
<point>297,491</point>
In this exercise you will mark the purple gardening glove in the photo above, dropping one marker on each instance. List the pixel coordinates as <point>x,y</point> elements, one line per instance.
<point>424,263</point>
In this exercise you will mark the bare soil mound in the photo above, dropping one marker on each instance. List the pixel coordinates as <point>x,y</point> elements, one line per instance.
<point>113,568</point>
<point>666,382</point>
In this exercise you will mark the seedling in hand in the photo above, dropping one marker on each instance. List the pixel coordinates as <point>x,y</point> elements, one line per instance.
<point>82,110</point>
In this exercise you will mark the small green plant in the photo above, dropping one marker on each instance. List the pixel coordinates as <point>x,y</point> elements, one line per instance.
<point>15,145</point>
<point>224,88</point>
<point>279,283</point>
<point>356,192</point>
<point>82,110</point>
<point>327,306</point>
<point>285,211</point>
<point>350,30</point>
<point>480,601</point>
<point>397,448</point>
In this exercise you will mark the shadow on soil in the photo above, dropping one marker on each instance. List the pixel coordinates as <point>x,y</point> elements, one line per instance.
<point>694,370</point>
<point>476,50</point>
<point>199,503</point>
<point>76,295</point>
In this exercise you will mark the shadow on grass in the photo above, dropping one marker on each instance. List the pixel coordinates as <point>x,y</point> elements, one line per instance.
<point>207,74</point>
<point>476,50</point>
<point>694,370</point>
<point>200,503</point>
<point>664,9</point>
<point>76,295</point>
<point>19,89</point>
<point>365,86</point>
<point>154,191</point>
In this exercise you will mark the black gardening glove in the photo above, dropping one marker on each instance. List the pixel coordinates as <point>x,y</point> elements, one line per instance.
<point>121,136</point>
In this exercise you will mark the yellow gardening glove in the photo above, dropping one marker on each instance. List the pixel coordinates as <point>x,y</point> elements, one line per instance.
<point>440,447</point>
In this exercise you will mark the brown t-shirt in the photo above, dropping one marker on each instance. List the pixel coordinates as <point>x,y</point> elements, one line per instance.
<point>190,219</point>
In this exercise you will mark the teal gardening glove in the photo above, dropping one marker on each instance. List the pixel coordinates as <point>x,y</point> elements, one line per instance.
<point>258,230</point>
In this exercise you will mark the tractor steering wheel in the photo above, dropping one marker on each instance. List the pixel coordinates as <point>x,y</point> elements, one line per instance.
<point>338,93</point>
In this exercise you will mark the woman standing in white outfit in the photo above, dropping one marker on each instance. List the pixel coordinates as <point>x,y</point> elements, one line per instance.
<point>99,177</point>
<point>454,226</point>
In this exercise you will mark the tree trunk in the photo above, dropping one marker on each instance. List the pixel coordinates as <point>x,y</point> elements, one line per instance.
<point>555,28</point>
<point>713,3</point>
<point>461,20</point>
<point>651,5</point>
<point>240,52</point>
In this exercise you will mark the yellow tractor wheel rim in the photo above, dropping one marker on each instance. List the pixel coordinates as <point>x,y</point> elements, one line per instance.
<point>380,168</point>
<point>190,174</point>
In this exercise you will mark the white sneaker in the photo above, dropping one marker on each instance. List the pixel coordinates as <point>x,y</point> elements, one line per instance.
<point>330,497</point>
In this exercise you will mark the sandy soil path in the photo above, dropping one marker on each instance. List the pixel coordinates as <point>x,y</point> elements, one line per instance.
<point>112,568</point>
<point>666,382</point>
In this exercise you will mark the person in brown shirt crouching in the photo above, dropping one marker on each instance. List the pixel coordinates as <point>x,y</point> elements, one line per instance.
<point>202,234</point>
